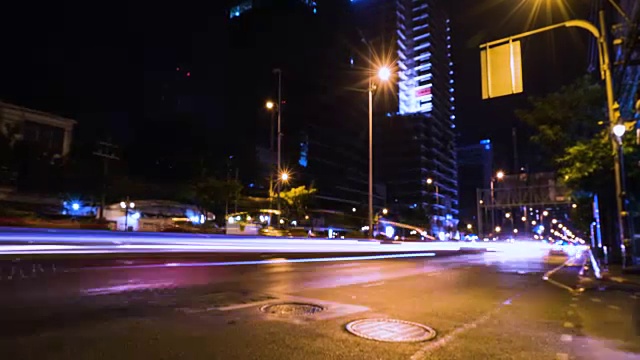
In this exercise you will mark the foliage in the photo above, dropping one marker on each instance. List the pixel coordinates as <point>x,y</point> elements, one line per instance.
<point>296,200</point>
<point>563,118</point>
<point>570,131</point>
<point>212,194</point>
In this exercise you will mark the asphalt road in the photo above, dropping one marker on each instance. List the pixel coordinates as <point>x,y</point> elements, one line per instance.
<point>482,306</point>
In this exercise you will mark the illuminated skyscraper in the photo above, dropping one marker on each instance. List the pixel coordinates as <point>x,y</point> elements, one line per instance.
<point>424,127</point>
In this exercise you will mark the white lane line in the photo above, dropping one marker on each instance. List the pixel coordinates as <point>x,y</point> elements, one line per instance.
<point>596,300</point>
<point>568,325</point>
<point>562,356</point>
<point>373,284</point>
<point>573,305</point>
<point>570,312</point>
<point>614,307</point>
<point>566,338</point>
<point>547,275</point>
<point>423,351</point>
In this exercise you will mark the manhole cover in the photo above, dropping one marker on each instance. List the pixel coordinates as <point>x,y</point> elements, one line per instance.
<point>291,309</point>
<point>391,330</point>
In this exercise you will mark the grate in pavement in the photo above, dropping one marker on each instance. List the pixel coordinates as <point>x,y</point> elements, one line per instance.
<point>292,309</point>
<point>391,330</point>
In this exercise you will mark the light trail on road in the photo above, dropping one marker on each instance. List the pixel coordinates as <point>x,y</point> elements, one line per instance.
<point>43,241</point>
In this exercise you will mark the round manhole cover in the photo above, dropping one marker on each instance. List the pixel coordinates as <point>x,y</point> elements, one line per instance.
<point>291,309</point>
<point>391,330</point>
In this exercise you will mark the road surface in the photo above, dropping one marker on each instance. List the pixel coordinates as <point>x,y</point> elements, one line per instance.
<point>482,306</point>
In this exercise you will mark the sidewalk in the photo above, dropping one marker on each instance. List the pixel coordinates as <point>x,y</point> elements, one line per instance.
<point>628,277</point>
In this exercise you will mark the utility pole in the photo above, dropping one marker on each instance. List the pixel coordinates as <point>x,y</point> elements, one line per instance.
<point>107,151</point>
<point>514,137</point>
<point>279,165</point>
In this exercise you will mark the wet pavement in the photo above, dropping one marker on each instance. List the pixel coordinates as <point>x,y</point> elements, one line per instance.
<point>482,306</point>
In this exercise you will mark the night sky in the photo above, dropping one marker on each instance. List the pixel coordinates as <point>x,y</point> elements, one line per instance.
<point>90,61</point>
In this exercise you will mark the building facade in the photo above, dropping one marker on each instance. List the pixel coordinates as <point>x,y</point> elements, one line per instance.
<point>475,169</point>
<point>417,144</point>
<point>49,133</point>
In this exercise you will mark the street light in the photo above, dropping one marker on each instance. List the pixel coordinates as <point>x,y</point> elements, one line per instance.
<point>515,231</point>
<point>545,213</point>
<point>284,176</point>
<point>431,182</point>
<point>619,130</point>
<point>498,229</point>
<point>499,176</point>
<point>384,74</point>
<point>469,227</point>
<point>507,215</point>
<point>279,140</point>
<point>126,205</point>
<point>270,105</point>
<point>554,221</point>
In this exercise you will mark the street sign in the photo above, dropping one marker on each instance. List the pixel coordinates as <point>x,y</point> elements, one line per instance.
<point>501,70</point>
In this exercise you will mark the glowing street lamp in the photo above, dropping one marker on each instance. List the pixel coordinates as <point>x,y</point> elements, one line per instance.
<point>545,213</point>
<point>384,74</point>
<point>500,175</point>
<point>284,176</point>
<point>126,205</point>
<point>507,215</point>
<point>619,130</point>
<point>469,226</point>
<point>498,229</point>
<point>270,105</point>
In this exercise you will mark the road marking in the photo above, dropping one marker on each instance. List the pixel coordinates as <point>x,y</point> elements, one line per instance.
<point>570,312</point>
<point>566,338</point>
<point>573,305</point>
<point>568,325</point>
<point>373,284</point>
<point>575,298</point>
<point>614,307</point>
<point>420,354</point>
<point>562,356</point>
<point>547,275</point>
<point>596,300</point>
<point>633,296</point>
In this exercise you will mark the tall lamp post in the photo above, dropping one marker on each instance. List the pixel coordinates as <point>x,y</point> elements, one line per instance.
<point>271,106</point>
<point>430,181</point>
<point>384,74</point>
<point>279,165</point>
<point>499,176</point>
<point>278,107</point>
<point>126,205</point>
<point>617,132</point>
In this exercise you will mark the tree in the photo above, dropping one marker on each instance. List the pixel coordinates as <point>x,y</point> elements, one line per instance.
<point>565,117</point>
<point>213,195</point>
<point>574,137</point>
<point>296,200</point>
